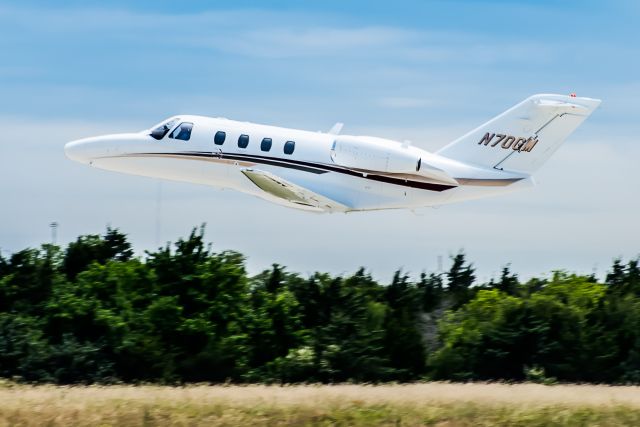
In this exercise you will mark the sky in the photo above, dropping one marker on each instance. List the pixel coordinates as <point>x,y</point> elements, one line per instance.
<point>424,71</point>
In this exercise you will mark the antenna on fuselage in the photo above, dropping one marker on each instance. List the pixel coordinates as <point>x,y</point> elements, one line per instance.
<point>336,129</point>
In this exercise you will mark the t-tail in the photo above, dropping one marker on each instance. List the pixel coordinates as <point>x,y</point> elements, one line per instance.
<point>522,138</point>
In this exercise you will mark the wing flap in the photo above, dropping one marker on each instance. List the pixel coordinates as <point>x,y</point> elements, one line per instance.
<point>283,189</point>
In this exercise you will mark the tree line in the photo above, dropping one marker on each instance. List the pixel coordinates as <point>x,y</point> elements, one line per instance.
<point>93,313</point>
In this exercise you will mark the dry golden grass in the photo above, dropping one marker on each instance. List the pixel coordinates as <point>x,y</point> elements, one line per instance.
<point>440,404</point>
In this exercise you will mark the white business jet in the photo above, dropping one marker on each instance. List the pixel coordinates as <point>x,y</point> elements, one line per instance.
<point>330,172</point>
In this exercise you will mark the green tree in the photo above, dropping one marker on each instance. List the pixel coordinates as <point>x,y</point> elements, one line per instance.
<point>274,318</point>
<point>28,279</point>
<point>460,277</point>
<point>497,336</point>
<point>403,340</point>
<point>431,290</point>
<point>624,279</point>
<point>343,331</point>
<point>349,342</point>
<point>4,266</point>
<point>508,282</point>
<point>206,300</point>
<point>23,349</point>
<point>616,277</point>
<point>94,248</point>
<point>91,312</point>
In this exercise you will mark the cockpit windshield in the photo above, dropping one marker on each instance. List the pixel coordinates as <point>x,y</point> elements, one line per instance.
<point>160,131</point>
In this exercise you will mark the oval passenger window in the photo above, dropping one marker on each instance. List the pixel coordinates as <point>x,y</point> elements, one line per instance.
<point>219,138</point>
<point>289,146</point>
<point>243,141</point>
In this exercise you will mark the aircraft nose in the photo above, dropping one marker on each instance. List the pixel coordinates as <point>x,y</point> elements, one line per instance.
<point>79,150</point>
<point>87,150</point>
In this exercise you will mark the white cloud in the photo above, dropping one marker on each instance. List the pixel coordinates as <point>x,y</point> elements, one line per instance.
<point>266,34</point>
<point>403,102</point>
<point>302,41</point>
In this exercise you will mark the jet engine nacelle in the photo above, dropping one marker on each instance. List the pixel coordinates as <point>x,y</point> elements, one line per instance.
<point>374,154</point>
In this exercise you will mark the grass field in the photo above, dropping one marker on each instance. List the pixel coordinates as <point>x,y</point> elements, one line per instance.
<point>439,404</point>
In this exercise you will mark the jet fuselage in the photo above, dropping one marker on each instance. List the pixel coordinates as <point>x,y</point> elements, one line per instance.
<point>329,172</point>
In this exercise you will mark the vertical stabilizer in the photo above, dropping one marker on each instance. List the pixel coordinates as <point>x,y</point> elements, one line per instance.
<point>524,137</point>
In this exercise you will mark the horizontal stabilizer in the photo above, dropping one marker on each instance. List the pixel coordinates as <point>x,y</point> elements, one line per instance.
<point>567,107</point>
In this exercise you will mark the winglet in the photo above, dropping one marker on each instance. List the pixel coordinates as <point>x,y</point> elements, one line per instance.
<point>336,129</point>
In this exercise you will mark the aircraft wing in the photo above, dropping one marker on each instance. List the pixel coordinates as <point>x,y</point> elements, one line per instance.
<point>283,189</point>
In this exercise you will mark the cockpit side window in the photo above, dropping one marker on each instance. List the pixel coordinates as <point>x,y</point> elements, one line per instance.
<point>160,131</point>
<point>182,132</point>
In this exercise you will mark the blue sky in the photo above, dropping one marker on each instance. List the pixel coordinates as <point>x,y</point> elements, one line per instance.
<point>427,71</point>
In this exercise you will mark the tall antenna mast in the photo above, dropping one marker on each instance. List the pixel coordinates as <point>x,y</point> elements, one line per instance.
<point>158,213</point>
<point>54,232</point>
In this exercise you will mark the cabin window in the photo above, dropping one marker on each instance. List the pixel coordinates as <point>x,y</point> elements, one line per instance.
<point>219,138</point>
<point>289,146</point>
<point>243,141</point>
<point>182,132</point>
<point>265,145</point>
<point>160,131</point>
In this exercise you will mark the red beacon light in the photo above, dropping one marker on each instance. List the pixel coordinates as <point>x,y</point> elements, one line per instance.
<point>573,95</point>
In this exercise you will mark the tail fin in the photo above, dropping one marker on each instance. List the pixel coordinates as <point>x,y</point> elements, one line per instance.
<point>522,138</point>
